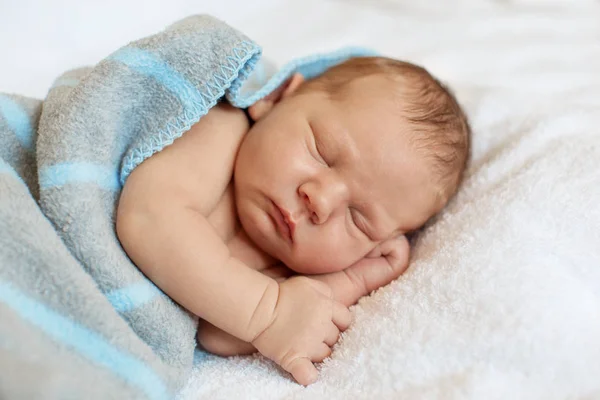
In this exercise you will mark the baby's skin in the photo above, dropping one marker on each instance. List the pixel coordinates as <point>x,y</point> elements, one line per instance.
<point>269,231</point>
<point>347,286</point>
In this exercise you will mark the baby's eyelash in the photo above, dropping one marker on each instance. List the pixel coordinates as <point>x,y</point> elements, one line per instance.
<point>353,218</point>
<point>363,229</point>
<point>320,153</point>
<point>316,146</point>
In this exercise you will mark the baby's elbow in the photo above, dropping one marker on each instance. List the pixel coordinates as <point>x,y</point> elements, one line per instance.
<point>213,343</point>
<point>129,225</point>
<point>134,213</point>
<point>124,226</point>
<point>220,343</point>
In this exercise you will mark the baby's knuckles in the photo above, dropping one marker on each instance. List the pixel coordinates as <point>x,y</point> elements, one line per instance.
<point>397,253</point>
<point>302,316</point>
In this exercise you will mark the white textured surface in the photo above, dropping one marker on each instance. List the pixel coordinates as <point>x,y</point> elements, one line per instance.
<point>502,300</point>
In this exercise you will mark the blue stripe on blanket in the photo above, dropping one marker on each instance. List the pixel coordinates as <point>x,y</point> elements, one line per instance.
<point>90,344</point>
<point>5,168</point>
<point>18,121</point>
<point>106,177</point>
<point>133,296</point>
<point>148,64</point>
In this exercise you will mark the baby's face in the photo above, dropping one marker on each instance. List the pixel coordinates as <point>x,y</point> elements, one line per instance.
<point>321,182</point>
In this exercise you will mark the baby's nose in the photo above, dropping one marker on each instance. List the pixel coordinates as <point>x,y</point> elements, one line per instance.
<point>323,201</point>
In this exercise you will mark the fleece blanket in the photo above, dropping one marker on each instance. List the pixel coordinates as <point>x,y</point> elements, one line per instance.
<point>75,313</point>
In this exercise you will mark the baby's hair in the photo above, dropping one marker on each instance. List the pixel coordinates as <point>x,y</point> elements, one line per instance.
<point>439,127</point>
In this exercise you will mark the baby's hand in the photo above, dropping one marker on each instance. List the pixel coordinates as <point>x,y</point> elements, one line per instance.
<point>386,262</point>
<point>306,323</point>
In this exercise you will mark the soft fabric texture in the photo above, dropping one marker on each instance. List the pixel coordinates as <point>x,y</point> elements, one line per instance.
<point>75,313</point>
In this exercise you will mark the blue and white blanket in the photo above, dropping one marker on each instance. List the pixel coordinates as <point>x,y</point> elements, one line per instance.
<point>77,318</point>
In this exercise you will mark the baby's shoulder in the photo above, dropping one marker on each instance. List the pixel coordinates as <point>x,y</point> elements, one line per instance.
<point>198,166</point>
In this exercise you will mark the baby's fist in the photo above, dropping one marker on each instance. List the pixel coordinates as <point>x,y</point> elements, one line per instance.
<point>306,323</point>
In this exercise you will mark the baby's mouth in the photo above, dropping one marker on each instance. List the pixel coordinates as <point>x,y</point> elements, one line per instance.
<point>285,226</point>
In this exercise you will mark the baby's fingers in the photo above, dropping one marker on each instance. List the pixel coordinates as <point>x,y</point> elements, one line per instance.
<point>341,317</point>
<point>303,370</point>
<point>321,352</point>
<point>332,335</point>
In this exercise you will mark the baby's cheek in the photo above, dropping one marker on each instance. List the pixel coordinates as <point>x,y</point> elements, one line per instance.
<point>322,258</point>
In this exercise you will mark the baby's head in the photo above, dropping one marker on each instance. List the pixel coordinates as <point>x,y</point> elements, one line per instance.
<point>367,151</point>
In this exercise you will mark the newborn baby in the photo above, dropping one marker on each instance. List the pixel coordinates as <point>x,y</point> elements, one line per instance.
<point>323,178</point>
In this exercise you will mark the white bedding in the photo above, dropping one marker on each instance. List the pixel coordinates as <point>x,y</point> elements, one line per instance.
<point>502,300</point>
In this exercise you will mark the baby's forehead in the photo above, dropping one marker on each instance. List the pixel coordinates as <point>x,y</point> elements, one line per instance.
<point>379,86</point>
<point>376,100</point>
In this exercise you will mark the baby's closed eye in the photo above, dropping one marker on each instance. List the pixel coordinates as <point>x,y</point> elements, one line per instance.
<point>314,147</point>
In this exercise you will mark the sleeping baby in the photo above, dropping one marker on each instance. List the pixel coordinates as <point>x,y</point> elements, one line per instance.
<point>268,223</point>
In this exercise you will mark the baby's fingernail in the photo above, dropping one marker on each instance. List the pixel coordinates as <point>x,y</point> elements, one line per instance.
<point>312,378</point>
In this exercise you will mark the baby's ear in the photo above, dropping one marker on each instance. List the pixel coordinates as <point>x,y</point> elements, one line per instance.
<point>264,105</point>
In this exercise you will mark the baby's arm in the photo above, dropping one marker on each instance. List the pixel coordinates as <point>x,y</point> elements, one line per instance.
<point>161,223</point>
<point>378,268</point>
<point>219,342</point>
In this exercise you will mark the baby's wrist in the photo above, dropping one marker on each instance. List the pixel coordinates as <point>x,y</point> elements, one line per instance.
<point>264,313</point>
